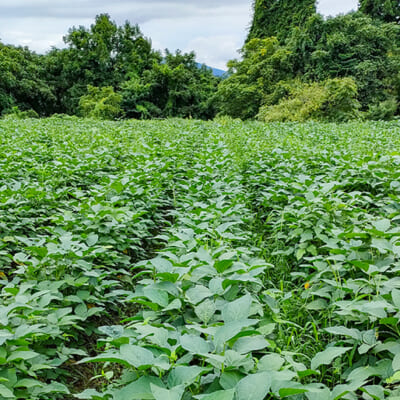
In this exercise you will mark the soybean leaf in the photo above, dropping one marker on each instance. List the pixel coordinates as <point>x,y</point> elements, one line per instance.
<point>198,293</point>
<point>137,356</point>
<point>6,392</point>
<point>205,310</point>
<point>396,362</point>
<point>237,310</point>
<point>160,393</point>
<point>270,362</point>
<point>138,390</point>
<point>254,387</point>
<point>194,344</point>
<point>229,330</point>
<point>327,356</point>
<point>248,344</point>
<point>396,297</point>
<point>184,375</point>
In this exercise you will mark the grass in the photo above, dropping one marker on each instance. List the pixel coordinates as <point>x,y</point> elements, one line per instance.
<point>199,260</point>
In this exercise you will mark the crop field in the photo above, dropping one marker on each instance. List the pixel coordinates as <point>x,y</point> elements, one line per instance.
<point>178,260</point>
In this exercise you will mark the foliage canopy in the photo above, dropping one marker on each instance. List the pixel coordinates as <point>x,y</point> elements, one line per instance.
<point>384,10</point>
<point>279,17</point>
<point>353,46</point>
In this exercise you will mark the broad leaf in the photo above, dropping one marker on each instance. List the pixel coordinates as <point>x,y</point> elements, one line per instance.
<point>327,356</point>
<point>138,390</point>
<point>254,387</point>
<point>248,344</point>
<point>237,310</point>
<point>230,330</point>
<point>194,344</point>
<point>205,310</point>
<point>182,375</point>
<point>160,393</point>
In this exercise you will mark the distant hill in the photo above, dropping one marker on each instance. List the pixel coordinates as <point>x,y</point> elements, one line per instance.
<point>215,71</point>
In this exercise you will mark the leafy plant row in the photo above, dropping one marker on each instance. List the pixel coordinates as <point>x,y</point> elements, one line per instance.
<point>190,260</point>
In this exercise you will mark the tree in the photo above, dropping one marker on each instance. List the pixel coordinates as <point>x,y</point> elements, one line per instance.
<point>177,87</point>
<point>358,56</point>
<point>384,10</point>
<point>278,17</point>
<point>351,45</point>
<point>120,57</point>
<point>103,55</point>
<point>23,81</point>
<point>265,63</point>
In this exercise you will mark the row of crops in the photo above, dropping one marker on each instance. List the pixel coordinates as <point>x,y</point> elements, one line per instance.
<point>199,260</point>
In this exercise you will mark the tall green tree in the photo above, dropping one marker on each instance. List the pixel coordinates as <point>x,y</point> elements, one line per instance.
<point>278,17</point>
<point>265,63</point>
<point>120,57</point>
<point>103,55</point>
<point>384,10</point>
<point>23,81</point>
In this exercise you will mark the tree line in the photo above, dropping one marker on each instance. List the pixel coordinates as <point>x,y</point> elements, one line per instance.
<point>106,71</point>
<point>295,65</point>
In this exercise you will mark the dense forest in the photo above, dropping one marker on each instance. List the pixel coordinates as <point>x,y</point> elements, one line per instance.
<point>295,65</point>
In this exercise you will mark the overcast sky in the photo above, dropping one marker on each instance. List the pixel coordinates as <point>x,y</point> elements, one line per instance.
<point>214,29</point>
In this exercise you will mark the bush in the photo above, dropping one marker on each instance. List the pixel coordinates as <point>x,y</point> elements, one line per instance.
<point>332,100</point>
<point>304,102</point>
<point>101,103</point>
<point>15,112</point>
<point>383,111</point>
<point>341,103</point>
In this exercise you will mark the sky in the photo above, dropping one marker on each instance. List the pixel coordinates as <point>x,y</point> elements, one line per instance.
<point>214,29</point>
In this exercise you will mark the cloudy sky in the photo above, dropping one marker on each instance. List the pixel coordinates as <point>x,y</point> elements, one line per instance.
<point>214,29</point>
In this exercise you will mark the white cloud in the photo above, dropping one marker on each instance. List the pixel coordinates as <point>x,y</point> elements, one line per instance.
<point>223,48</point>
<point>215,38</point>
<point>334,7</point>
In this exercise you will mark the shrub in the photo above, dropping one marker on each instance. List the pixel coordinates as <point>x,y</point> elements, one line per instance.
<point>341,103</point>
<point>304,102</point>
<point>101,103</point>
<point>384,111</point>
<point>15,112</point>
<point>333,99</point>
